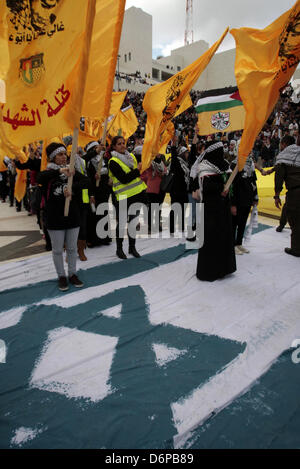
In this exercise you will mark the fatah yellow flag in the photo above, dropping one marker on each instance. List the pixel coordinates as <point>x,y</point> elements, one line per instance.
<point>162,101</point>
<point>265,61</point>
<point>103,58</point>
<point>48,43</point>
<point>124,124</point>
<point>93,129</point>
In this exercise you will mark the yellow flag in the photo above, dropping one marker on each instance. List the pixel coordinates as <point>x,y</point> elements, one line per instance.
<point>103,58</point>
<point>117,100</point>
<point>265,61</point>
<point>186,104</point>
<point>162,101</point>
<point>167,136</point>
<point>124,124</point>
<point>48,45</point>
<point>20,186</point>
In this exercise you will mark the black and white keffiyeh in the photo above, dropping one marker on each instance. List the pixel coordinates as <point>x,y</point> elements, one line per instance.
<point>289,156</point>
<point>186,170</point>
<point>126,158</point>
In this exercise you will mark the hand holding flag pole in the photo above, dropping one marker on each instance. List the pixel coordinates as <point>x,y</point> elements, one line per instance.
<point>71,167</point>
<point>103,140</point>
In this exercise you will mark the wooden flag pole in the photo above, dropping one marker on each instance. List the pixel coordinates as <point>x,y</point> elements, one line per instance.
<point>103,141</point>
<point>71,166</point>
<point>230,180</point>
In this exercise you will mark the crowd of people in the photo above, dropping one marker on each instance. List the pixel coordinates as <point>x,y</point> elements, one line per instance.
<point>196,171</point>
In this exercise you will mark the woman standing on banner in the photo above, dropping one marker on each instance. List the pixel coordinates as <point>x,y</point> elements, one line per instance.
<point>128,189</point>
<point>244,196</point>
<point>62,230</point>
<point>216,258</point>
<point>153,177</point>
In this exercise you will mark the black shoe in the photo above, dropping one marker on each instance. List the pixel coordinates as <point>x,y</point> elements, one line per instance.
<point>279,229</point>
<point>133,251</point>
<point>63,284</point>
<point>74,280</point>
<point>191,239</point>
<point>48,247</point>
<point>291,252</point>
<point>18,209</point>
<point>121,254</point>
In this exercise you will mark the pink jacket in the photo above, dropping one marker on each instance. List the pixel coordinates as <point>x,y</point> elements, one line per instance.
<point>153,182</point>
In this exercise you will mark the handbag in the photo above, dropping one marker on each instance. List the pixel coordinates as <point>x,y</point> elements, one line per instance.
<point>167,182</point>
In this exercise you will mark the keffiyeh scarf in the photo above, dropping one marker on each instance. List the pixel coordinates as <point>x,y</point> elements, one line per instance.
<point>289,156</point>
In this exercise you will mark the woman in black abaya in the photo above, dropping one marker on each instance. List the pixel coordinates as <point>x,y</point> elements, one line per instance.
<point>216,258</point>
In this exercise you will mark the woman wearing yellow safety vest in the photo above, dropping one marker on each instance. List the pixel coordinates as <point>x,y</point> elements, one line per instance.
<point>128,189</point>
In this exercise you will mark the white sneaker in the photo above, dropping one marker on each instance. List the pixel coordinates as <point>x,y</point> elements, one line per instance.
<point>244,250</point>
<point>237,251</point>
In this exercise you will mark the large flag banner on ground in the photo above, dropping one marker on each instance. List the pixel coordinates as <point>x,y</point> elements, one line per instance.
<point>103,58</point>
<point>48,46</point>
<point>163,100</point>
<point>223,113</point>
<point>265,61</point>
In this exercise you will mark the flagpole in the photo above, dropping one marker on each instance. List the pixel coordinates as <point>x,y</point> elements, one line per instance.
<point>103,141</point>
<point>230,180</point>
<point>71,166</point>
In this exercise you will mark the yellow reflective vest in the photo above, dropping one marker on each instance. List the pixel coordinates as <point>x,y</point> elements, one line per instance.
<point>85,192</point>
<point>124,191</point>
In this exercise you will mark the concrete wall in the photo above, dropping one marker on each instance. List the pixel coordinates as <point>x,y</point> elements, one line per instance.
<point>136,39</point>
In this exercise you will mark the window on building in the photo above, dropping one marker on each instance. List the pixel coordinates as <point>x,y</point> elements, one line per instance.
<point>155,73</point>
<point>125,58</point>
<point>165,76</point>
<point>129,56</point>
<point>178,69</point>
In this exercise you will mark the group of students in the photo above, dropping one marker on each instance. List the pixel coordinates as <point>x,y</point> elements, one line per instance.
<point>119,174</point>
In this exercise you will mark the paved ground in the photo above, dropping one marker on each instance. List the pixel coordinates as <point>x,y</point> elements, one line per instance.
<point>20,235</point>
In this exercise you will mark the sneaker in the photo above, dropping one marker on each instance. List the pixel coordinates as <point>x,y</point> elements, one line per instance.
<point>244,250</point>
<point>74,280</point>
<point>237,250</point>
<point>63,284</point>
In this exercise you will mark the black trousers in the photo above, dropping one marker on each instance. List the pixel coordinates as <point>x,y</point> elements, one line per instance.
<point>180,200</point>
<point>154,199</point>
<point>293,216</point>
<point>239,222</point>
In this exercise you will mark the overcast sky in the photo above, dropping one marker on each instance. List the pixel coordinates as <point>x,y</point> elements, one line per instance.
<point>210,19</point>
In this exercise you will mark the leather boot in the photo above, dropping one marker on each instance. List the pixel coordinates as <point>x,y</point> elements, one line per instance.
<point>120,253</point>
<point>132,249</point>
<point>81,245</point>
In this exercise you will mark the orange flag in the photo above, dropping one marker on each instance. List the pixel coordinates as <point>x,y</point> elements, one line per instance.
<point>265,61</point>
<point>103,58</point>
<point>20,186</point>
<point>48,45</point>
<point>162,101</point>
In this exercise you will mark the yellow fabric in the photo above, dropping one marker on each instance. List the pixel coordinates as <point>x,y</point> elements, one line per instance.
<point>130,189</point>
<point>265,189</point>
<point>166,137</point>
<point>93,129</point>
<point>46,78</point>
<point>103,58</point>
<point>265,61</point>
<point>20,186</point>
<point>186,103</point>
<point>3,167</point>
<point>4,53</point>
<point>124,124</point>
<point>162,101</point>
<point>236,118</point>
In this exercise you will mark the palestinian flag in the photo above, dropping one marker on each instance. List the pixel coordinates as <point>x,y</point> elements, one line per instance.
<point>223,113</point>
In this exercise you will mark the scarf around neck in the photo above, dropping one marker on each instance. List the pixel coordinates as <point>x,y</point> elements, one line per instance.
<point>186,170</point>
<point>126,158</point>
